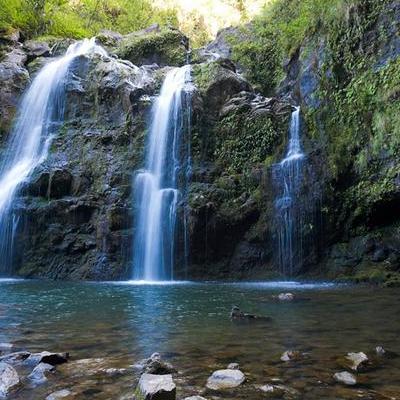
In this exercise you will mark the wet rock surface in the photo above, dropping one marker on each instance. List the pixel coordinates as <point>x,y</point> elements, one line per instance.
<point>225,379</point>
<point>156,387</point>
<point>9,379</point>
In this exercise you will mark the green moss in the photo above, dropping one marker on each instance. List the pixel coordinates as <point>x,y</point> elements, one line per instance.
<point>165,48</point>
<point>204,74</point>
<point>244,139</point>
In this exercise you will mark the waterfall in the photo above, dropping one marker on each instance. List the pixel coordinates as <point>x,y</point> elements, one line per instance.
<point>288,176</point>
<point>158,186</point>
<point>38,118</point>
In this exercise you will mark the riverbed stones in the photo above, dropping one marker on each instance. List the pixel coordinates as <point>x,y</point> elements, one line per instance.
<point>345,378</point>
<point>225,379</point>
<point>285,297</point>
<point>9,379</point>
<point>156,387</point>
<point>38,375</point>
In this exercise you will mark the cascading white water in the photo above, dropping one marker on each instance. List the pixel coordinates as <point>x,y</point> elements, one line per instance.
<point>38,118</point>
<point>288,179</point>
<point>157,186</point>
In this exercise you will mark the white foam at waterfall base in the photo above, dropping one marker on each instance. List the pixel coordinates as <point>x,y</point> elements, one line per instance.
<point>38,117</point>
<point>156,186</point>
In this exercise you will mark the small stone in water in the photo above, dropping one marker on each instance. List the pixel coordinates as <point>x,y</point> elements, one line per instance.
<point>157,387</point>
<point>194,398</point>
<point>60,394</point>
<point>357,361</point>
<point>285,296</point>
<point>380,351</point>
<point>225,379</point>
<point>233,366</point>
<point>346,378</point>
<point>291,355</point>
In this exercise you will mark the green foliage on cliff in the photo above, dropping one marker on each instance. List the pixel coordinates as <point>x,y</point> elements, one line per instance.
<point>81,18</point>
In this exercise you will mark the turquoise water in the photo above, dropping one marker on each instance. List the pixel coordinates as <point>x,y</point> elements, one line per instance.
<point>189,325</point>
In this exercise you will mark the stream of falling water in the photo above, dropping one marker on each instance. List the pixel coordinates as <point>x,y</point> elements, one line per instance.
<point>288,179</point>
<point>38,118</point>
<point>158,186</point>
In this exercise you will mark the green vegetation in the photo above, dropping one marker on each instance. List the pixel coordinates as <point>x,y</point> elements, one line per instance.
<point>80,18</point>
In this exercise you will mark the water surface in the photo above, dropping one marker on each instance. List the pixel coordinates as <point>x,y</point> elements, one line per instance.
<point>189,325</point>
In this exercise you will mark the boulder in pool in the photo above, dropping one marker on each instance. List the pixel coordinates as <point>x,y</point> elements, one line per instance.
<point>225,379</point>
<point>47,358</point>
<point>156,387</point>
<point>345,378</point>
<point>238,315</point>
<point>39,373</point>
<point>357,361</point>
<point>9,379</point>
<point>15,358</point>
<point>155,365</point>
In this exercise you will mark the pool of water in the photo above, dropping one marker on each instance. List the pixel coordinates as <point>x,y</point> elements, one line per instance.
<point>189,324</point>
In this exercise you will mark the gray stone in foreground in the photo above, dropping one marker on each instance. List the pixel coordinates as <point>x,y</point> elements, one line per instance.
<point>225,379</point>
<point>60,394</point>
<point>357,361</point>
<point>156,387</point>
<point>345,378</point>
<point>9,379</point>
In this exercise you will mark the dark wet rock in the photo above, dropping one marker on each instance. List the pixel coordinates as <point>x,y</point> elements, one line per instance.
<point>14,78</point>
<point>292,355</point>
<point>156,387</point>
<point>35,49</point>
<point>15,358</point>
<point>9,379</point>
<point>39,373</point>
<point>345,378</point>
<point>61,394</point>
<point>238,315</point>
<point>155,365</point>
<point>225,379</point>
<point>47,358</point>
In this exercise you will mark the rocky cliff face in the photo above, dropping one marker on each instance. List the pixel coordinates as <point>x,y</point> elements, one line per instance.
<point>76,211</point>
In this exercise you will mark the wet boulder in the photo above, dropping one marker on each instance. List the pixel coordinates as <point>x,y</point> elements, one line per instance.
<point>47,358</point>
<point>356,361</point>
<point>60,394</point>
<point>238,315</point>
<point>225,379</point>
<point>156,387</point>
<point>38,375</point>
<point>9,379</point>
<point>155,365</point>
<point>292,355</point>
<point>15,358</point>
<point>34,49</point>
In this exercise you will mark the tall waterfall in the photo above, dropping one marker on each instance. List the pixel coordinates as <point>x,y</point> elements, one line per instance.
<point>288,176</point>
<point>158,186</point>
<point>38,118</point>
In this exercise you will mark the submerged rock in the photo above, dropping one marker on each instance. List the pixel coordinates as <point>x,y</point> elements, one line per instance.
<point>233,366</point>
<point>156,387</point>
<point>238,315</point>
<point>285,296</point>
<point>9,379</point>
<point>38,375</point>
<point>345,378</point>
<point>60,394</point>
<point>291,355</point>
<point>225,379</point>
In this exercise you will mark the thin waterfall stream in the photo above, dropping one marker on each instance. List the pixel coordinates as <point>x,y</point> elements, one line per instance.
<point>288,176</point>
<point>159,186</point>
<point>39,116</point>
